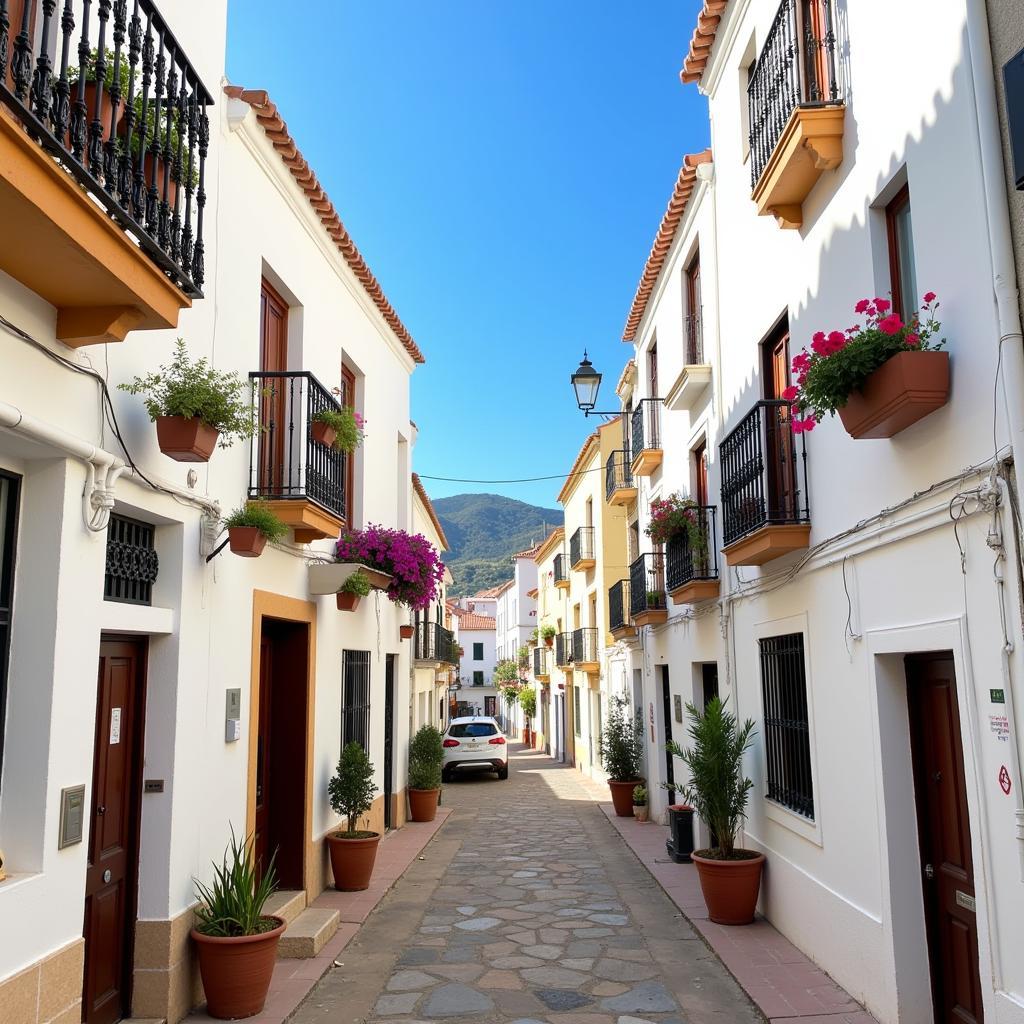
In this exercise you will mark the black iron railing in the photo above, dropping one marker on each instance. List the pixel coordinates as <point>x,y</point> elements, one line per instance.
<point>686,561</point>
<point>542,661</point>
<point>764,472</point>
<point>561,574</point>
<point>585,645</point>
<point>581,546</point>
<point>563,649</point>
<point>285,462</point>
<point>618,473</point>
<point>796,68</point>
<point>129,122</point>
<point>645,429</point>
<point>618,606</point>
<point>433,642</point>
<point>693,333</point>
<point>132,562</point>
<point>647,583</point>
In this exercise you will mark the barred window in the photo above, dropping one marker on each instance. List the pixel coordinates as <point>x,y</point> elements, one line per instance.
<point>132,562</point>
<point>355,699</point>
<point>577,725</point>
<point>787,736</point>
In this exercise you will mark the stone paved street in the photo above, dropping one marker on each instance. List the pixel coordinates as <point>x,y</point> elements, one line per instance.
<point>526,908</point>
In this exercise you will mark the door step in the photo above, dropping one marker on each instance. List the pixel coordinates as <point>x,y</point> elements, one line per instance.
<point>306,935</point>
<point>286,904</point>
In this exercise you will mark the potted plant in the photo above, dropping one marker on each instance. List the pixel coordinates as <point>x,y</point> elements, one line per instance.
<point>621,752</point>
<point>193,405</point>
<point>655,599</point>
<point>125,78</point>
<point>880,377</point>
<point>730,877</point>
<point>351,791</point>
<point>353,590</point>
<point>250,527</point>
<point>410,561</point>
<point>640,803</point>
<point>155,147</point>
<point>406,631</point>
<point>676,516</point>
<point>236,942</point>
<point>528,702</point>
<point>426,755</point>
<point>548,633</point>
<point>534,633</point>
<point>340,429</point>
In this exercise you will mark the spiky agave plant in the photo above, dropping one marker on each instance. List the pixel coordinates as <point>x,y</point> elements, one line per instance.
<point>233,904</point>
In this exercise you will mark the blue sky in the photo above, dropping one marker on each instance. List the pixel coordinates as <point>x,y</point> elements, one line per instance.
<point>503,167</point>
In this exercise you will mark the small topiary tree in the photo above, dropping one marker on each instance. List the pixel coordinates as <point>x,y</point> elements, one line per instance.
<point>426,754</point>
<point>622,743</point>
<point>352,788</point>
<point>528,702</point>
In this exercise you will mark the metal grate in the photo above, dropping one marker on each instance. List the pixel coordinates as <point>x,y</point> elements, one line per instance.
<point>686,563</point>
<point>132,562</point>
<point>559,569</point>
<point>646,426</point>
<point>585,645</point>
<point>618,473</point>
<point>647,583</point>
<point>581,546</point>
<point>355,699</point>
<point>787,736</point>
<point>563,649</point>
<point>618,606</point>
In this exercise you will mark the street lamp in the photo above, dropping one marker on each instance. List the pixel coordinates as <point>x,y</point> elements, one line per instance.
<point>586,382</point>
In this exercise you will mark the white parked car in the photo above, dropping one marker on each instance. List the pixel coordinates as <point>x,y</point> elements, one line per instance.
<point>474,742</point>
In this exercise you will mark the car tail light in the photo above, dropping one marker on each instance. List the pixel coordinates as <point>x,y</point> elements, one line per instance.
<point>451,743</point>
<point>497,741</point>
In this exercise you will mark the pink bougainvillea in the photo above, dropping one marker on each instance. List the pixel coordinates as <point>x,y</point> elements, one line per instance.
<point>410,559</point>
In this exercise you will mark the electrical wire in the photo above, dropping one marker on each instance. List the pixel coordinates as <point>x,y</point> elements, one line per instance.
<point>519,480</point>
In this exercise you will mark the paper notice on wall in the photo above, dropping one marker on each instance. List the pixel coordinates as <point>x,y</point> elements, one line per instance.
<point>999,725</point>
<point>115,726</point>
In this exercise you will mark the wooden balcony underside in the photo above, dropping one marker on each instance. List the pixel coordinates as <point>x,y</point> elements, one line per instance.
<point>768,543</point>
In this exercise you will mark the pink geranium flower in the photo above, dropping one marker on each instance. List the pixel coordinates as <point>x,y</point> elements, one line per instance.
<point>883,305</point>
<point>862,306</point>
<point>890,325</point>
<point>790,393</point>
<point>913,339</point>
<point>929,298</point>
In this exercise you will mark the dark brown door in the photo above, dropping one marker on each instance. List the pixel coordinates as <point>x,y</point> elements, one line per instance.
<point>944,830</point>
<point>275,391</point>
<point>111,878</point>
<point>652,370</point>
<point>700,472</point>
<point>261,825</point>
<point>694,347</point>
<point>778,435</point>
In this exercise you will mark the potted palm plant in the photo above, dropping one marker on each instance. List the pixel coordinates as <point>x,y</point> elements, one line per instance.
<point>194,405</point>
<point>352,591</point>
<point>730,877</point>
<point>548,633</point>
<point>426,754</point>
<point>351,790</point>
<point>640,803</point>
<point>340,429</point>
<point>235,940</point>
<point>621,750</point>
<point>250,527</point>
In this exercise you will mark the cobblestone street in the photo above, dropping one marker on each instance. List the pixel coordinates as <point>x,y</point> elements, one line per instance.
<point>527,907</point>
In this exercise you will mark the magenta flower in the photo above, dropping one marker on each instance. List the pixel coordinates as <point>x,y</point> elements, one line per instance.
<point>790,393</point>
<point>862,306</point>
<point>883,305</point>
<point>890,325</point>
<point>929,298</point>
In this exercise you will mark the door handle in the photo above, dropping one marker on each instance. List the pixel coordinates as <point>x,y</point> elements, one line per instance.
<point>929,872</point>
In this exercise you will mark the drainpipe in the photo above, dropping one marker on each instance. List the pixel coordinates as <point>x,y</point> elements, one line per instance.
<point>102,467</point>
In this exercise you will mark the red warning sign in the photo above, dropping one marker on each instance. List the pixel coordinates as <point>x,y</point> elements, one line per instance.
<point>1004,780</point>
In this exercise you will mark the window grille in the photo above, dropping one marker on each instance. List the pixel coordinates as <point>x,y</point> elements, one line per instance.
<point>132,562</point>
<point>577,726</point>
<point>787,735</point>
<point>355,700</point>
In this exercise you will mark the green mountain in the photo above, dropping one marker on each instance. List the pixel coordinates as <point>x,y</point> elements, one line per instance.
<point>484,530</point>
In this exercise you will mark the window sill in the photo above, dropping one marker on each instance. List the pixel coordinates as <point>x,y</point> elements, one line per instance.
<point>806,828</point>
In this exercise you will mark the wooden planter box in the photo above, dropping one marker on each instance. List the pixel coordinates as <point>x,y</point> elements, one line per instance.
<point>328,577</point>
<point>185,440</point>
<point>695,591</point>
<point>900,392</point>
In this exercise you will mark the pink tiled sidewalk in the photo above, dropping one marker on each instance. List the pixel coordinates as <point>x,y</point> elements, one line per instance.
<point>783,983</point>
<point>294,979</point>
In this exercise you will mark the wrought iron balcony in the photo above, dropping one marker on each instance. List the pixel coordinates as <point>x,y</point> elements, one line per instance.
<point>795,106</point>
<point>561,572</point>
<point>542,662</point>
<point>648,603</point>
<point>693,336</point>
<point>691,570</point>
<point>765,510</point>
<point>434,643</point>
<point>620,619</point>
<point>581,548</point>
<point>645,436</point>
<point>620,488</point>
<point>129,124</point>
<point>563,649</point>
<point>304,481</point>
<point>586,648</point>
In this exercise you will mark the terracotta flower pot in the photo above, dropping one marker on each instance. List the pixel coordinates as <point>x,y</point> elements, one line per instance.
<point>352,860</point>
<point>106,108</point>
<point>423,804</point>
<point>323,434</point>
<point>347,602</point>
<point>640,812</point>
<point>405,632</point>
<point>236,972</point>
<point>622,796</point>
<point>186,440</point>
<point>901,391</point>
<point>549,641</point>
<point>246,541</point>
<point>730,887</point>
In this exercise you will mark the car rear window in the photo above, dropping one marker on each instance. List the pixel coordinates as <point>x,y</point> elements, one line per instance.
<point>467,730</point>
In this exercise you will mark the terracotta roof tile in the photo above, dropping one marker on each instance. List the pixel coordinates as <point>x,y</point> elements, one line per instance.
<point>577,465</point>
<point>549,542</point>
<point>663,240</point>
<point>429,506</point>
<point>469,621</point>
<point>277,132</point>
<point>529,553</point>
<point>702,40</point>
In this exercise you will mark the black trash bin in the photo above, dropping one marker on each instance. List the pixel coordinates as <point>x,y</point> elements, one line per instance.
<point>680,841</point>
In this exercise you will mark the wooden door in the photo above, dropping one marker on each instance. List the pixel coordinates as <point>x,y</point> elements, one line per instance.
<point>666,713</point>
<point>261,825</point>
<point>944,831</point>
<point>694,348</point>
<point>780,451</point>
<point>652,373</point>
<point>111,880</point>
<point>389,737</point>
<point>700,473</point>
<point>274,392</point>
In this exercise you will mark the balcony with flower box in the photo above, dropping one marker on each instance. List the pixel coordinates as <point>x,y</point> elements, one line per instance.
<point>620,488</point>
<point>303,480</point>
<point>561,573</point>
<point>563,650</point>
<point>620,621</point>
<point>581,549</point>
<point>695,376</point>
<point>796,109</point>
<point>102,167</point>
<point>586,650</point>
<point>648,603</point>
<point>691,560</point>
<point>542,663</point>
<point>645,437</point>
<point>765,509</point>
